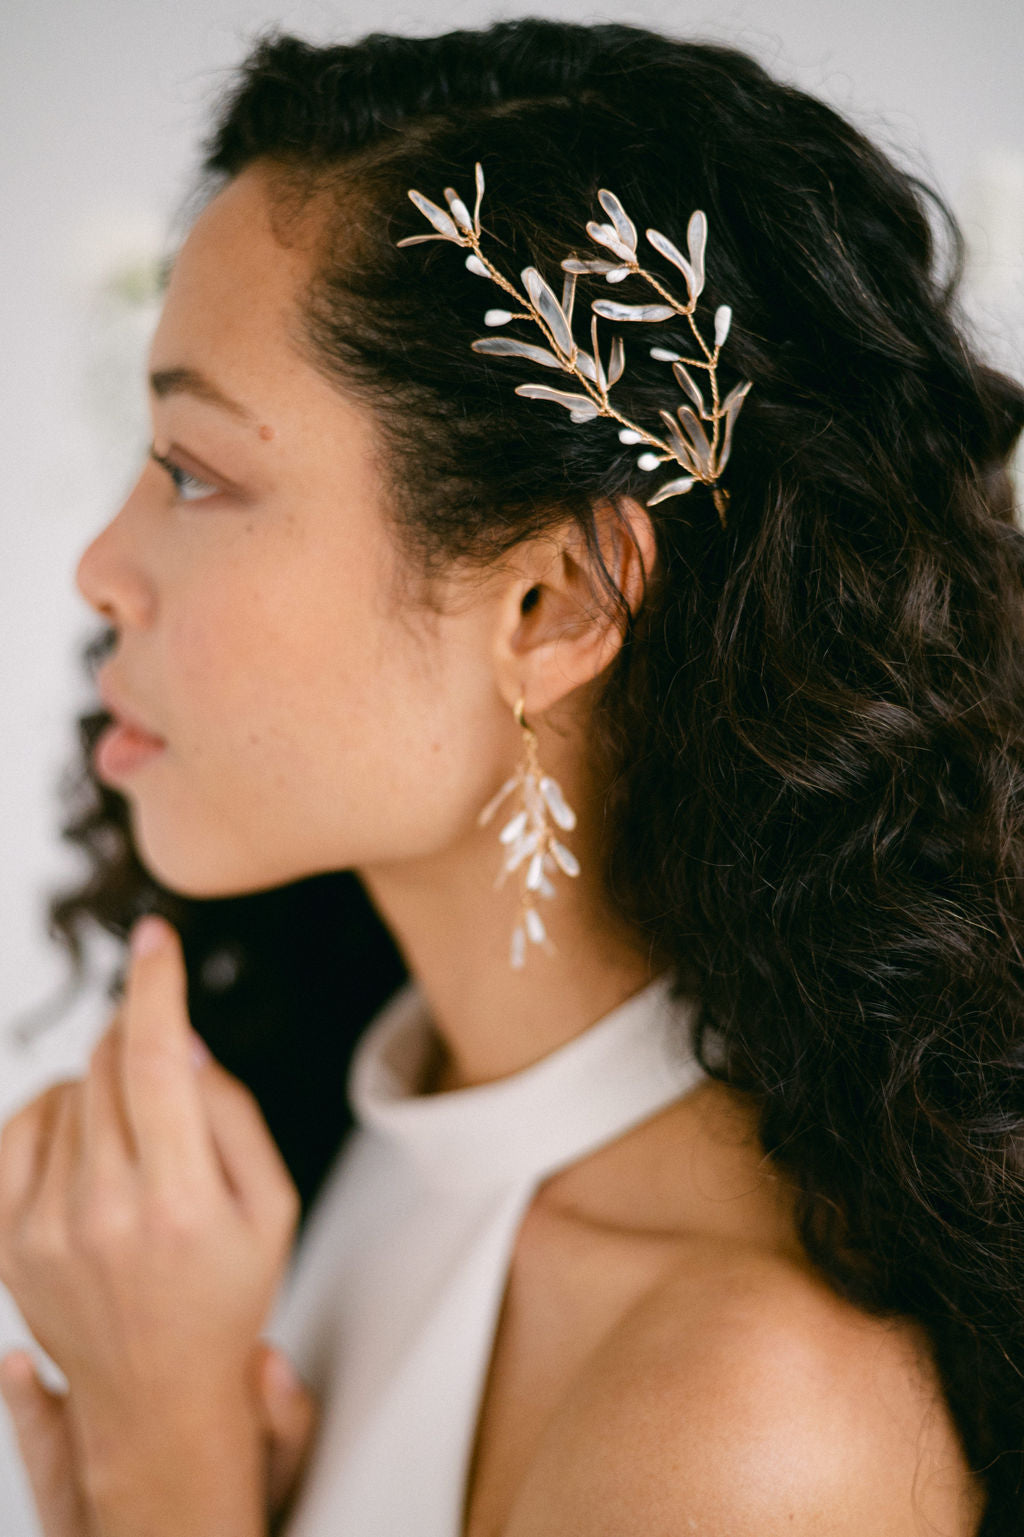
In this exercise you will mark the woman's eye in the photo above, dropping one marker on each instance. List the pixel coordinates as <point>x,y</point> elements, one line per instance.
<point>189,487</point>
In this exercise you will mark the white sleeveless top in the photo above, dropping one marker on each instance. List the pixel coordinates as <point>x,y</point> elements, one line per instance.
<point>391,1306</point>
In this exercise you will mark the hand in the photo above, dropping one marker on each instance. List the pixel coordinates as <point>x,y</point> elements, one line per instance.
<point>145,1219</point>
<point>39,1416</point>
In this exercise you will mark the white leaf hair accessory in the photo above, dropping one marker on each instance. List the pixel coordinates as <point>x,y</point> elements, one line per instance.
<point>686,441</point>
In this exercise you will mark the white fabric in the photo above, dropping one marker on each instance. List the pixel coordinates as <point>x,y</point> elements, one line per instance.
<point>392,1303</point>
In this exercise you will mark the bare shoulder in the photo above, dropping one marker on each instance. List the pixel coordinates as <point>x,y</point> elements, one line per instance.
<point>742,1396</point>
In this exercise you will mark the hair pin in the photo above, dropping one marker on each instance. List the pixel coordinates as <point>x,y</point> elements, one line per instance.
<point>685,441</point>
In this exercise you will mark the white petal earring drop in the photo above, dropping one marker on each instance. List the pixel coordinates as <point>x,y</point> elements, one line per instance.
<point>529,842</point>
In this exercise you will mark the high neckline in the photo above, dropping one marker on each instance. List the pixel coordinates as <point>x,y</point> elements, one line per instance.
<point>632,1062</point>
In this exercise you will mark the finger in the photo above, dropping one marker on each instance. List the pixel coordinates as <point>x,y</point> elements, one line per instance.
<point>108,1147</point>
<point>289,1420</point>
<point>158,1081</point>
<point>40,1425</point>
<point>23,1146</point>
<point>61,1162</point>
<point>250,1157</point>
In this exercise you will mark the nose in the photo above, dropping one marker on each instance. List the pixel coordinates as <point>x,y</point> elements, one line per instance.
<point>112,579</point>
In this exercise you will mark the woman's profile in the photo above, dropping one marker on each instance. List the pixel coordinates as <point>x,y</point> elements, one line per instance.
<point>562,681</point>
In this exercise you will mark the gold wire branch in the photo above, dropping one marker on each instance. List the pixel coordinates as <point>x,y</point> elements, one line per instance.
<point>685,441</point>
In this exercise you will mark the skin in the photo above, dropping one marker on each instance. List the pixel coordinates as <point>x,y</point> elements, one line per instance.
<point>665,1360</point>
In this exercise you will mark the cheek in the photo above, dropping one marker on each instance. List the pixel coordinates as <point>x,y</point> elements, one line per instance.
<point>289,661</point>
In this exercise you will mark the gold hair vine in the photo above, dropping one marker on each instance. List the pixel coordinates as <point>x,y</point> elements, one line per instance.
<point>686,441</point>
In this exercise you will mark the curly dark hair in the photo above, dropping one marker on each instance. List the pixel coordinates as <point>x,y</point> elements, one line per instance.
<point>812,737</point>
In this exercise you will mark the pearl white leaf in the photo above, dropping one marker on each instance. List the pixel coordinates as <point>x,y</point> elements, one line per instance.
<point>478,174</point>
<point>696,240</point>
<point>575,264</point>
<point>672,253</point>
<point>474,264</point>
<point>607,235</point>
<point>535,873</point>
<point>612,311</point>
<point>731,407</point>
<point>493,804</point>
<point>497,317</point>
<point>545,889</point>
<point>534,800</point>
<point>600,378</point>
<point>517,948</point>
<point>627,435</point>
<point>510,832</point>
<point>569,295</point>
<point>624,226</point>
<point>505,346</point>
<point>586,365</point>
<point>690,385</point>
<point>681,447</point>
<point>617,274</point>
<point>649,461</point>
<point>580,405</point>
<point>557,803</point>
<point>698,437</point>
<point>520,849</point>
<point>565,857</point>
<point>663,355</point>
<point>616,360</point>
<point>458,208</point>
<point>441,221</point>
<point>736,397</point>
<point>550,309</point>
<point>723,320</point>
<point>535,925</point>
<point>672,488</point>
<point>419,239</point>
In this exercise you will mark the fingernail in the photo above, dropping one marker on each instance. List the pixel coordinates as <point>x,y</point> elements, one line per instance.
<point>200,1050</point>
<point>17,1370</point>
<point>148,935</point>
<point>283,1375</point>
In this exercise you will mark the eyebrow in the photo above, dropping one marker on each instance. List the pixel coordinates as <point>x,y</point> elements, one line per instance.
<point>189,381</point>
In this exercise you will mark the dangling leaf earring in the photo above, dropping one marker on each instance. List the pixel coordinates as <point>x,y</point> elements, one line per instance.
<point>529,842</point>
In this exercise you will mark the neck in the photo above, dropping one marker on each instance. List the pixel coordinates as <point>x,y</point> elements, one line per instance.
<point>454,930</point>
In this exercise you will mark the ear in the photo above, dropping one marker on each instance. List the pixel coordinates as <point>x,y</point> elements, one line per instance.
<point>558,625</point>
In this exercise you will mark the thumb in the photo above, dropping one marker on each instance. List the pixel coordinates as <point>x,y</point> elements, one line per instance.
<point>40,1423</point>
<point>289,1421</point>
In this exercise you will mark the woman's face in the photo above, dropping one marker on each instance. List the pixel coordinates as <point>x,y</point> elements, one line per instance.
<point>310,722</point>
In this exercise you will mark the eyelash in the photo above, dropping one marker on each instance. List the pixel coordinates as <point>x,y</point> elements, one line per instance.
<point>182,479</point>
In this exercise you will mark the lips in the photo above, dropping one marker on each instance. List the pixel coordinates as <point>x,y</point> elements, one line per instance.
<point>123,715</point>
<point>126,744</point>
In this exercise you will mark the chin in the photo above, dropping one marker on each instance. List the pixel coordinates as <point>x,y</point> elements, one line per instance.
<point>201,868</point>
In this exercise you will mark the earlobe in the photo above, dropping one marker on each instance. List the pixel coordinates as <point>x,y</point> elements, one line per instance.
<point>560,625</point>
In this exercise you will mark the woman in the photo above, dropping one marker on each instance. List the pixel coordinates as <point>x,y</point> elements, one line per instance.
<point>685,1191</point>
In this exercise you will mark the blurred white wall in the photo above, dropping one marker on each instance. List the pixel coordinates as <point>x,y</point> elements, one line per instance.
<point>102,103</point>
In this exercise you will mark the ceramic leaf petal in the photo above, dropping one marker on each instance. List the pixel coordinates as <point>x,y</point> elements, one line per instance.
<point>687,382</point>
<point>624,226</point>
<point>672,488</point>
<point>613,311</point>
<point>442,222</point>
<point>581,404</point>
<point>672,253</point>
<point>504,346</point>
<point>549,307</point>
<point>696,240</point>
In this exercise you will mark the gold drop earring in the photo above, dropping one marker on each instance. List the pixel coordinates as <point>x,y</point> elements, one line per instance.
<point>529,841</point>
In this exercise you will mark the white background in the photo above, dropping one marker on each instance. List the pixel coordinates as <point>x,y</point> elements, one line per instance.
<point>102,104</point>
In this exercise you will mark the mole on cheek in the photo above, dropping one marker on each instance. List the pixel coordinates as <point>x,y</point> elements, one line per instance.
<point>266,432</point>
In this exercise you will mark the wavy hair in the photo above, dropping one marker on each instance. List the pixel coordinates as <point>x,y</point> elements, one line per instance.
<point>812,737</point>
